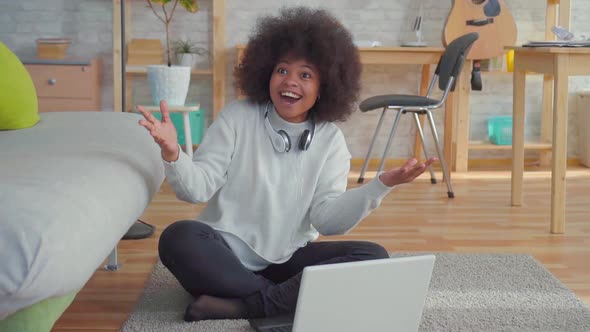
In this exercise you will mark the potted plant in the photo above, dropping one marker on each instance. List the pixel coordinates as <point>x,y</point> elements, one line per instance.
<point>169,82</point>
<point>187,52</point>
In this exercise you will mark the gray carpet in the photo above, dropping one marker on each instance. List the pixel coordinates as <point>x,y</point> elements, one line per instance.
<point>468,292</point>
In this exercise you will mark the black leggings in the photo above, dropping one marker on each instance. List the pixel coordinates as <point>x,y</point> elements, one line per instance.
<point>198,256</point>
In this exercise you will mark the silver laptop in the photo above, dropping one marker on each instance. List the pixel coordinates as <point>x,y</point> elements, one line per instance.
<point>376,295</point>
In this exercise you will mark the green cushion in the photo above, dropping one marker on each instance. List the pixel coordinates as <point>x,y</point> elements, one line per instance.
<point>39,317</point>
<point>18,99</point>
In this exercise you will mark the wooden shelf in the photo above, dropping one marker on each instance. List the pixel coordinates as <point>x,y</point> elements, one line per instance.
<point>486,145</point>
<point>557,13</point>
<point>142,70</point>
<point>503,72</point>
<point>217,46</point>
<point>173,109</point>
<point>495,72</point>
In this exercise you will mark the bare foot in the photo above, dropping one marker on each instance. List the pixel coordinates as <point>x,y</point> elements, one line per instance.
<point>211,307</point>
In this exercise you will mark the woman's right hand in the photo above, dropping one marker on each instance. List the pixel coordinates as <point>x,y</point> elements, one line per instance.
<point>163,131</point>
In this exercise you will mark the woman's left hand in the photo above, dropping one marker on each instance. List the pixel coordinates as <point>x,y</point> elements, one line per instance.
<point>405,174</point>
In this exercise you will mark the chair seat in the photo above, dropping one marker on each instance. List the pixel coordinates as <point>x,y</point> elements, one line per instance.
<point>395,100</point>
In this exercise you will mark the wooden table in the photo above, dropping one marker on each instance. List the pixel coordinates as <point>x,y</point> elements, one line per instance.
<point>424,56</point>
<point>560,63</point>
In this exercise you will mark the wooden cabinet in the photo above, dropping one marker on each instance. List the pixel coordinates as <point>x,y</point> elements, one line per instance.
<point>66,85</point>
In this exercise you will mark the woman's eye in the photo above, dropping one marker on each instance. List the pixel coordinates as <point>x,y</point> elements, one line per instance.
<point>282,71</point>
<point>306,75</point>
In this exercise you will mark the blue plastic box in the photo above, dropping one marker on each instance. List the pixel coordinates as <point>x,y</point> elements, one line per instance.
<point>500,130</point>
<point>197,120</point>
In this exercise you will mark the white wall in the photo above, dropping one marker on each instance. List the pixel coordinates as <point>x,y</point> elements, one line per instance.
<point>89,22</point>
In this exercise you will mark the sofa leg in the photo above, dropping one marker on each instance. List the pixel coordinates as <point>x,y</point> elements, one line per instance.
<point>113,263</point>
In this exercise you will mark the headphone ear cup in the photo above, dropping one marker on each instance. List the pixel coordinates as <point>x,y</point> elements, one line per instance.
<point>285,141</point>
<point>305,140</point>
<point>279,139</point>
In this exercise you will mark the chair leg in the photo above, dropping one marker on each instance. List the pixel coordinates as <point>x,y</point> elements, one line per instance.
<point>389,140</point>
<point>368,157</point>
<point>421,133</point>
<point>447,179</point>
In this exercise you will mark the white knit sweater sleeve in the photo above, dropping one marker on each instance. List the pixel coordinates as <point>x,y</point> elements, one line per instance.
<point>199,179</point>
<point>335,210</point>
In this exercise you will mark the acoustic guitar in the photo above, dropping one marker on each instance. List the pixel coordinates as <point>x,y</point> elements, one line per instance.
<point>494,23</point>
<point>490,18</point>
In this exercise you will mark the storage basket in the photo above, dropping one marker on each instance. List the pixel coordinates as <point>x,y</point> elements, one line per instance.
<point>141,52</point>
<point>197,121</point>
<point>52,48</point>
<point>500,130</point>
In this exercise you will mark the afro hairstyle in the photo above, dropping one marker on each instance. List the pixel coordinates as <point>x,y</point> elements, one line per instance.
<point>315,36</point>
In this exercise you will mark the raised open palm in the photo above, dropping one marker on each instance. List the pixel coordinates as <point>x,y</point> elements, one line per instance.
<point>163,131</point>
<point>407,173</point>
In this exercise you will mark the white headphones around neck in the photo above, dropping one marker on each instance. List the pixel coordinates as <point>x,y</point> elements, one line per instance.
<point>280,139</point>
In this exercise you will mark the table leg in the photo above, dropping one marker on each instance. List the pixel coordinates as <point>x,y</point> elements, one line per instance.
<point>188,137</point>
<point>128,94</point>
<point>461,105</point>
<point>519,90</point>
<point>546,118</point>
<point>424,82</point>
<point>560,115</point>
<point>449,130</point>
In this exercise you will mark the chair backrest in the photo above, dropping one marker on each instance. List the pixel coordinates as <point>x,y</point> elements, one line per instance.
<point>453,58</point>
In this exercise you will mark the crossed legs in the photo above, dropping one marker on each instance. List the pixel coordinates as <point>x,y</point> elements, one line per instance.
<point>223,288</point>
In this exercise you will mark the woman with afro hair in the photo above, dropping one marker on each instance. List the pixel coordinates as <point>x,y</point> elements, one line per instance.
<point>273,168</point>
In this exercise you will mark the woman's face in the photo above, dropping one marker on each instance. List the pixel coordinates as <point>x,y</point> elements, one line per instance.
<point>294,88</point>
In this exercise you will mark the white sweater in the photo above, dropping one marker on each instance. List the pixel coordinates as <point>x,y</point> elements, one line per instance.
<point>267,204</point>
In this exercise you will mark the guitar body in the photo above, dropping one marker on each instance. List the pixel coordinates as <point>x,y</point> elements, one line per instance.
<point>490,18</point>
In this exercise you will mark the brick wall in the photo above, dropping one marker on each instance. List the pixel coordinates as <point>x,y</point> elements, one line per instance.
<point>89,22</point>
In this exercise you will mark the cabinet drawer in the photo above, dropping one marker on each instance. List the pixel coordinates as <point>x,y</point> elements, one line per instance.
<point>66,104</point>
<point>69,81</point>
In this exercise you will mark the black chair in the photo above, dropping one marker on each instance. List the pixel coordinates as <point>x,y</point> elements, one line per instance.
<point>447,73</point>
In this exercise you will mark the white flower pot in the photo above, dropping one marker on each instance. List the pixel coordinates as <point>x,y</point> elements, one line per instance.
<point>187,59</point>
<point>169,83</point>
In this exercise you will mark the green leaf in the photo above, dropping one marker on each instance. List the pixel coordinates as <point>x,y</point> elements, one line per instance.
<point>190,5</point>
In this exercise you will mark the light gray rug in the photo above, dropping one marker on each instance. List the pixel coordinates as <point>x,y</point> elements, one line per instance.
<point>468,292</point>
